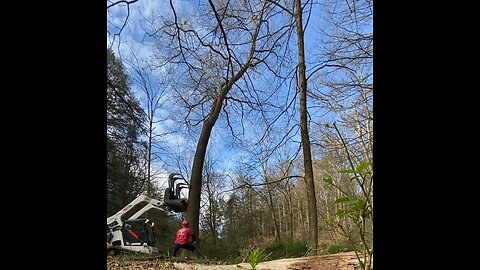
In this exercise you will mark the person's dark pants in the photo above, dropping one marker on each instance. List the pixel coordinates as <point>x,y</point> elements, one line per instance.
<point>190,247</point>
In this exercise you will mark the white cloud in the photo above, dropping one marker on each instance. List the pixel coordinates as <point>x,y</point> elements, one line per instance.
<point>148,7</point>
<point>140,13</point>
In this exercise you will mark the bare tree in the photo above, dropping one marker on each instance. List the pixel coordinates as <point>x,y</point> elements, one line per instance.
<point>307,155</point>
<point>212,75</point>
<point>154,101</point>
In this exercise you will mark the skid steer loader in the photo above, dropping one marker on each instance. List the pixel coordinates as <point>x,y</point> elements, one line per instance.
<point>135,233</point>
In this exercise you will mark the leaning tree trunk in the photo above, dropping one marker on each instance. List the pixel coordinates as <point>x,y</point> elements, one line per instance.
<point>195,190</point>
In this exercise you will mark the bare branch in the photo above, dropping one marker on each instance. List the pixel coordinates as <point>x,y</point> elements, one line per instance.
<point>120,2</point>
<point>282,7</point>
<point>251,186</point>
<point>224,35</point>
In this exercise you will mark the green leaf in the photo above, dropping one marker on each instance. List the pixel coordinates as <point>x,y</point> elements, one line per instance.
<point>348,171</point>
<point>358,204</point>
<point>342,200</point>
<point>328,220</point>
<point>328,180</point>
<point>361,168</point>
<point>342,213</point>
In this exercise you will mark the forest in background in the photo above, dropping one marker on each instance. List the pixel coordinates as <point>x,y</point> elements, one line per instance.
<point>237,70</point>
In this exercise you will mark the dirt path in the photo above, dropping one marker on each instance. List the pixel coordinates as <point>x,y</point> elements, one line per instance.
<point>340,261</point>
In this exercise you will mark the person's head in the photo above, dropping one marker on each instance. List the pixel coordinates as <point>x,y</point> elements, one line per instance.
<point>185,224</point>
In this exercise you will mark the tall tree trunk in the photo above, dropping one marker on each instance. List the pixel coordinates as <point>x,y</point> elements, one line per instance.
<point>307,155</point>
<point>195,189</point>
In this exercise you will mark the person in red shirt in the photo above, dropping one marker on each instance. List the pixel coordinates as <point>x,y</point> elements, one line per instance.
<point>183,240</point>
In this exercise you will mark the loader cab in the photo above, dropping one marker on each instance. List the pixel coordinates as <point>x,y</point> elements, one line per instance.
<point>137,232</point>
<point>174,199</point>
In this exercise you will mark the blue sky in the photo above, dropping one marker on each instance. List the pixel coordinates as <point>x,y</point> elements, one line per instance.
<point>134,39</point>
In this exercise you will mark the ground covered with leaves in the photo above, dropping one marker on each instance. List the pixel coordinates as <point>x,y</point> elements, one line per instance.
<point>340,261</point>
